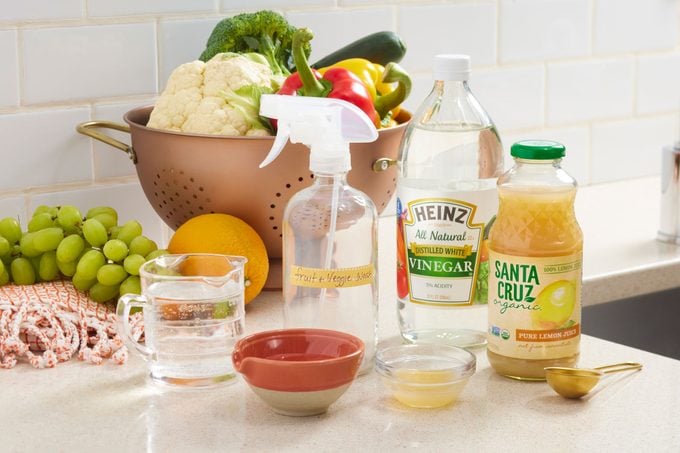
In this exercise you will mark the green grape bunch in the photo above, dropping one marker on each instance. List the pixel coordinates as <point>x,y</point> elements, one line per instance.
<point>100,256</point>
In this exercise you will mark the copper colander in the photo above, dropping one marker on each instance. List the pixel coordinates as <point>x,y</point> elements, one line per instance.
<point>185,175</point>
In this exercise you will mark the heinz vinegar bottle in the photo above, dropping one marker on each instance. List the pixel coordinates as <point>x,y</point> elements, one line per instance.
<point>450,159</point>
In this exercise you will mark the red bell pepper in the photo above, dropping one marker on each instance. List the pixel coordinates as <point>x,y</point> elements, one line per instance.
<point>337,83</point>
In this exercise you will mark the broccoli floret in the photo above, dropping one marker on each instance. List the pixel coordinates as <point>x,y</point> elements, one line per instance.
<point>265,32</point>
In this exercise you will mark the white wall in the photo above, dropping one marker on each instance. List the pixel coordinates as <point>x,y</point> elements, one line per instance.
<point>602,76</point>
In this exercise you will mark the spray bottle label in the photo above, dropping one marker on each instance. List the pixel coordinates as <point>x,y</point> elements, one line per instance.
<point>441,257</point>
<point>332,278</point>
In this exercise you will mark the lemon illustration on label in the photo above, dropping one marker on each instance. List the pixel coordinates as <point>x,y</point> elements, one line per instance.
<point>556,302</point>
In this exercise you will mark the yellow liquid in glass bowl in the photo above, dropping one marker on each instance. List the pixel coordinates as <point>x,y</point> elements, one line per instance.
<point>426,388</point>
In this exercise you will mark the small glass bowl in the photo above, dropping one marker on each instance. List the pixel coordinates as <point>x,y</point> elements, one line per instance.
<point>425,375</point>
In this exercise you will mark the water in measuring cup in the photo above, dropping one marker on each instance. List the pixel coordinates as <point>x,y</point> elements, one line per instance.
<point>192,327</point>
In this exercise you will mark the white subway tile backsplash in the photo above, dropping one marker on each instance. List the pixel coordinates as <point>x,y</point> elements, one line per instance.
<point>9,76</point>
<point>252,5</point>
<point>14,207</point>
<point>589,91</point>
<point>658,83</point>
<point>512,97</point>
<point>622,26</point>
<point>182,41</point>
<point>63,64</point>
<point>600,76</point>
<point>33,10</point>
<point>128,199</point>
<point>334,29</point>
<point>630,148</point>
<point>43,149</point>
<point>110,162</point>
<point>468,28</point>
<point>575,139</point>
<point>543,29</point>
<point>97,8</point>
<point>422,86</point>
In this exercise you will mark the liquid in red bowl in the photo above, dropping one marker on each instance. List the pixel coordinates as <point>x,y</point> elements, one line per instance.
<point>298,360</point>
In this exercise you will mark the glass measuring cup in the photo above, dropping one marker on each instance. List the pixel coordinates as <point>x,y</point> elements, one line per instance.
<point>194,313</point>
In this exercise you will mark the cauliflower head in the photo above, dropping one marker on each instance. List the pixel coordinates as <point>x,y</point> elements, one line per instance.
<point>219,97</point>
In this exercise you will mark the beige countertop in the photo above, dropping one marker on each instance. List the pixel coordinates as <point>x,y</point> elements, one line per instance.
<point>621,256</point>
<point>81,407</point>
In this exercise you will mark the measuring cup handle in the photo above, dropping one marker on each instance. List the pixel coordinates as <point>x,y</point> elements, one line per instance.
<point>619,367</point>
<point>125,304</point>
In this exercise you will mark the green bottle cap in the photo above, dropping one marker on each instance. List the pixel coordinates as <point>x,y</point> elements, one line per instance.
<point>537,149</point>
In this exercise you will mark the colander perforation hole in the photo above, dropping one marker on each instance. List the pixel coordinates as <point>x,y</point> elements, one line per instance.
<point>200,189</point>
<point>271,217</point>
<point>163,192</point>
<point>275,227</point>
<point>155,183</point>
<point>158,176</point>
<point>301,179</point>
<point>273,206</point>
<point>191,179</point>
<point>185,187</point>
<point>287,186</point>
<point>278,194</point>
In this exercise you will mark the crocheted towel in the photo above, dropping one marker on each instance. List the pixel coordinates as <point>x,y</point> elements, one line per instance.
<point>50,322</point>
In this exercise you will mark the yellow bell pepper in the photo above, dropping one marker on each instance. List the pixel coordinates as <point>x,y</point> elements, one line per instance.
<point>381,84</point>
<point>369,73</point>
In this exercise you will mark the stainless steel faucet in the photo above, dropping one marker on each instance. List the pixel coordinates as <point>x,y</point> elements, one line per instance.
<point>669,226</point>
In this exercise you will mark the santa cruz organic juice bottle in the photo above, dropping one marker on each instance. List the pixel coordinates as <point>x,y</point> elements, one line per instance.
<point>535,255</point>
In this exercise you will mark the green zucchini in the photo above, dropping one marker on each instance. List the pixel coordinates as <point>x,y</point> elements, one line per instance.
<point>381,47</point>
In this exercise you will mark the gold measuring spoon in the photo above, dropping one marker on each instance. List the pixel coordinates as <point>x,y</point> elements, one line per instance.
<point>577,382</point>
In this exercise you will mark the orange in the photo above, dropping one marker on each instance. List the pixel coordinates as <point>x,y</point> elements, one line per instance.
<point>206,265</point>
<point>227,235</point>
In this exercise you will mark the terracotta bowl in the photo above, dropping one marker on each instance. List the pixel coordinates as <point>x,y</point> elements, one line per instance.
<point>299,371</point>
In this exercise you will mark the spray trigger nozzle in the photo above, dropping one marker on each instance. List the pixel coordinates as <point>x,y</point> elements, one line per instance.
<point>326,125</point>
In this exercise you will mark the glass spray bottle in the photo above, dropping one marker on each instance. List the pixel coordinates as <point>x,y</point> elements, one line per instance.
<point>330,229</point>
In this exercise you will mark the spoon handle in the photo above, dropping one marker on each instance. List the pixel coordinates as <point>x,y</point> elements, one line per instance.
<point>619,367</point>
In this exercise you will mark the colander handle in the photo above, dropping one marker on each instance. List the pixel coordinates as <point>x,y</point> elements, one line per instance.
<point>383,164</point>
<point>89,128</point>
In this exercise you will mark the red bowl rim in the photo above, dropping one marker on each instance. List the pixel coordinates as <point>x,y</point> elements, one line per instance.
<point>268,334</point>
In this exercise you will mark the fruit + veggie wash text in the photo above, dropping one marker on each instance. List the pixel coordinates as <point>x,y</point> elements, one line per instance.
<point>535,256</point>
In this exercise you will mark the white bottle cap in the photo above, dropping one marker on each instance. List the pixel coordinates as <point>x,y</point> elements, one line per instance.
<point>451,67</point>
